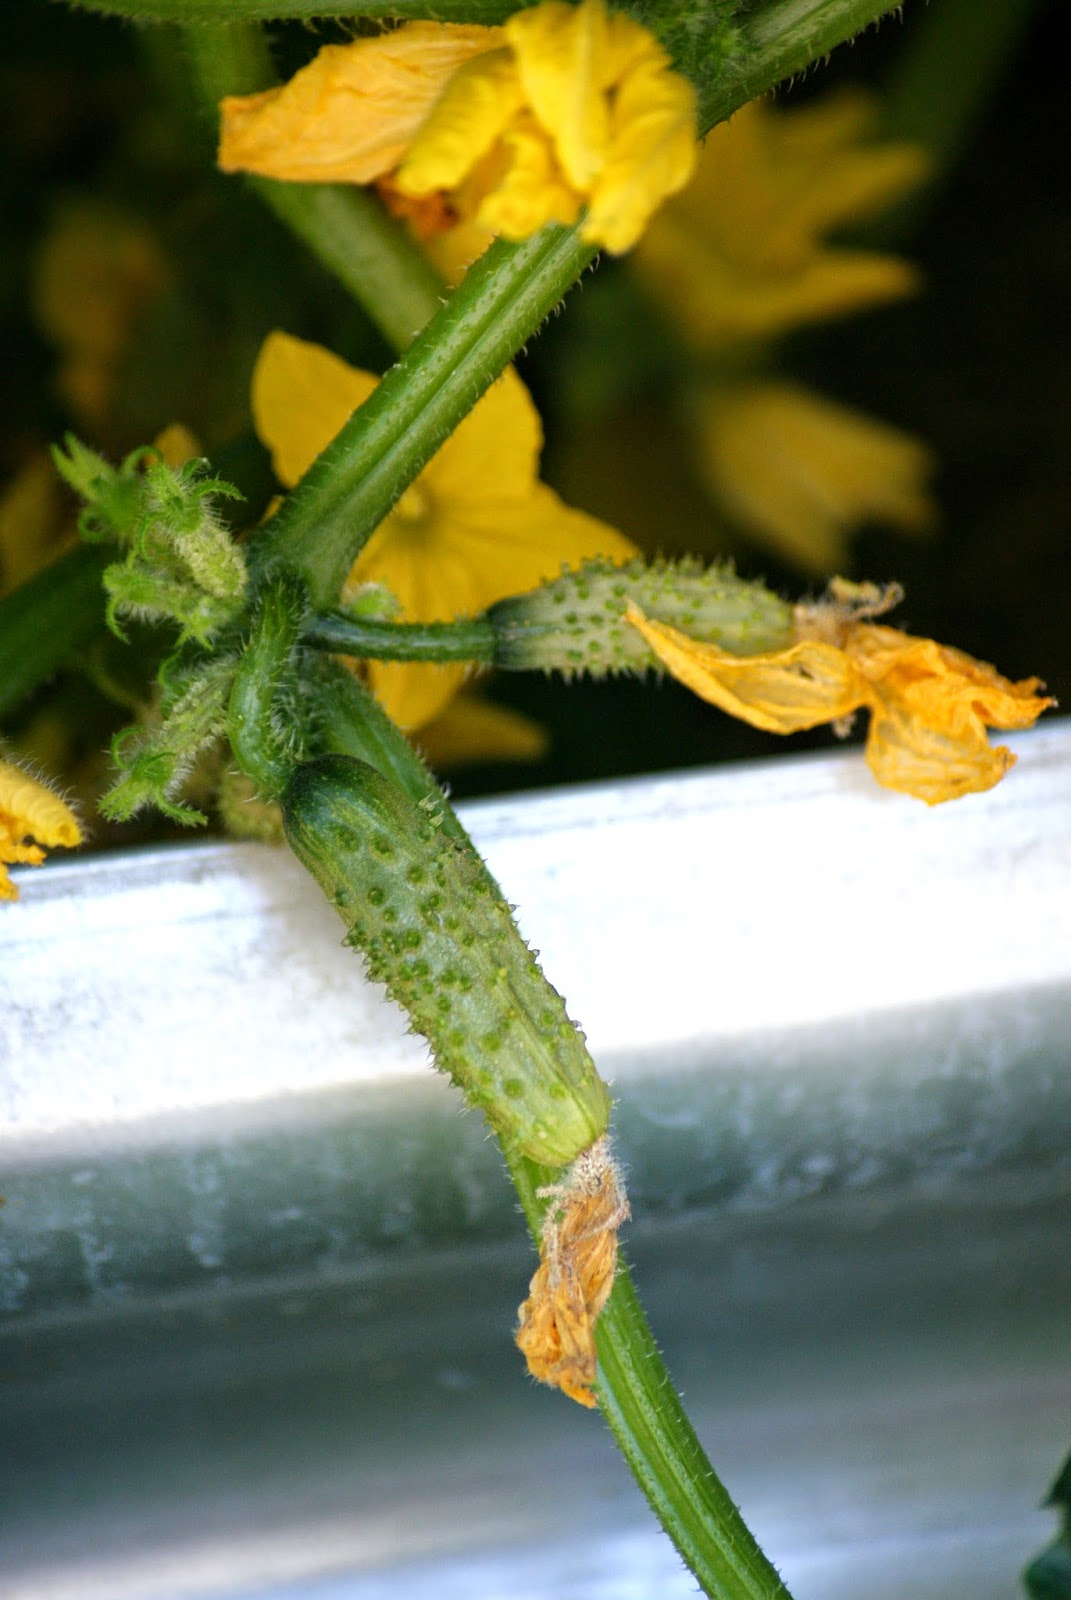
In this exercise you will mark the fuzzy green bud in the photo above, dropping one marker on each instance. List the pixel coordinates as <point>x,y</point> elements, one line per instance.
<point>576,623</point>
<point>264,723</point>
<point>433,929</point>
<point>155,759</point>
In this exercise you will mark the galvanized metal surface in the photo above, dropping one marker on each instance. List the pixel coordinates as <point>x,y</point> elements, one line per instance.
<point>257,1275</point>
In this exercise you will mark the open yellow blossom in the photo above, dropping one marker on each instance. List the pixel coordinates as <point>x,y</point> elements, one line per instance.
<point>476,525</point>
<point>801,472</point>
<point>930,705</point>
<point>563,110</point>
<point>29,811</point>
<point>741,255</point>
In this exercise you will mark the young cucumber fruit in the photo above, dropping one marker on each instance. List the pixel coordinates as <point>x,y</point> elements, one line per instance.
<point>435,930</point>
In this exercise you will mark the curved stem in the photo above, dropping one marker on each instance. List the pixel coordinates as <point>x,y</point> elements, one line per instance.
<point>467,639</point>
<point>346,228</point>
<point>779,39</point>
<point>325,522</point>
<point>351,233</point>
<point>653,1433</point>
<point>635,1391</point>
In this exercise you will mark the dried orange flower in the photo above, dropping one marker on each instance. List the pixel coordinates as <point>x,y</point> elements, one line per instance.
<point>572,1283</point>
<point>29,811</point>
<point>930,705</point>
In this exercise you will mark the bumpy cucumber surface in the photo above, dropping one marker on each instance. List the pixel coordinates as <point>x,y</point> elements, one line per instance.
<point>433,929</point>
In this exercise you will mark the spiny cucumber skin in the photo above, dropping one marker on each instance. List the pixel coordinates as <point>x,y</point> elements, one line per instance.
<point>433,930</point>
<point>576,623</point>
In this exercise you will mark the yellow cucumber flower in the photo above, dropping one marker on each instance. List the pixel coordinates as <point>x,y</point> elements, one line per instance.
<point>741,254</point>
<point>801,472</point>
<point>30,811</point>
<point>476,524</point>
<point>930,705</point>
<point>563,110</point>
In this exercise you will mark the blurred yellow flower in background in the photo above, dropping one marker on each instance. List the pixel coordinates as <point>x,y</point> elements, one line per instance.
<point>476,525</point>
<point>97,272</point>
<point>472,729</point>
<point>28,810</point>
<point>740,258</point>
<point>36,523</point>
<point>563,110</point>
<point>930,705</point>
<point>802,472</point>
<point>742,255</point>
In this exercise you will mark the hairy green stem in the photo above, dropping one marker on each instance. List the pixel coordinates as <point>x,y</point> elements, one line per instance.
<point>776,41</point>
<point>46,619</point>
<point>635,1391</point>
<point>326,521</point>
<point>644,1412</point>
<point>353,236</point>
<point>345,227</point>
<point>645,1415</point>
<point>467,639</point>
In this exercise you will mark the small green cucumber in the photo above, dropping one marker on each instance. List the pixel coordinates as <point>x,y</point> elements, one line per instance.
<point>576,623</point>
<point>424,911</point>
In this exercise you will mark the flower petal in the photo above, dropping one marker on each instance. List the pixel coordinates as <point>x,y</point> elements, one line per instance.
<point>472,729</point>
<point>28,810</point>
<point>801,472</point>
<point>493,453</point>
<point>932,705</point>
<point>907,754</point>
<point>533,190</point>
<point>464,124</point>
<point>784,691</point>
<point>652,151</point>
<point>740,255</point>
<point>302,395</point>
<point>561,52</point>
<point>466,558</point>
<point>352,113</point>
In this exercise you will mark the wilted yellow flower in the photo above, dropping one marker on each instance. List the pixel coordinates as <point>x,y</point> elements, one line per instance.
<point>741,255</point>
<point>930,705</point>
<point>476,525</point>
<point>577,1263</point>
<point>801,472</point>
<point>30,811</point>
<point>564,109</point>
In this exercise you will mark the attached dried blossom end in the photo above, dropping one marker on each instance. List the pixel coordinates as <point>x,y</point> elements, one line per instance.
<point>578,1259</point>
